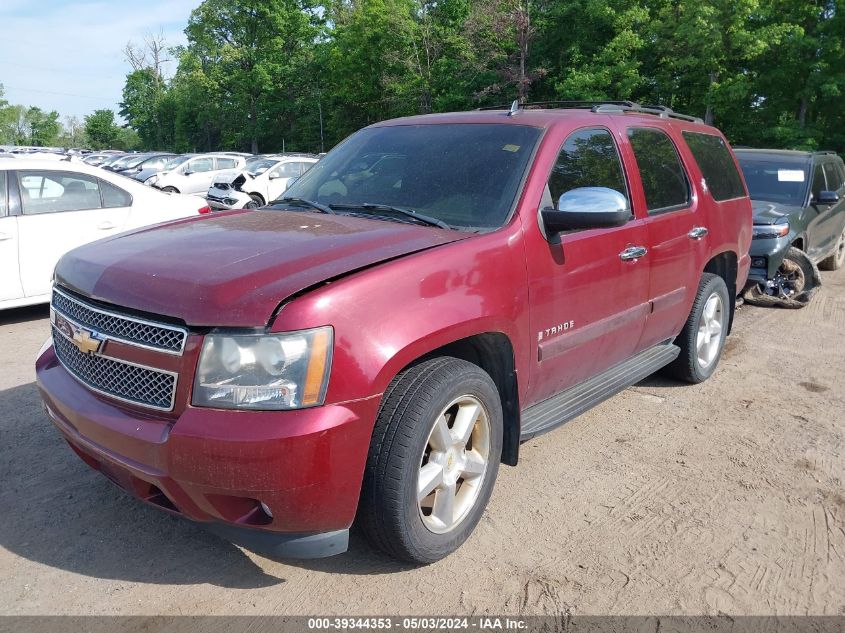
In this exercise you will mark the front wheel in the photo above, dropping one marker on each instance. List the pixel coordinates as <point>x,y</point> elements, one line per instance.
<point>433,460</point>
<point>703,337</point>
<point>170,190</point>
<point>255,201</point>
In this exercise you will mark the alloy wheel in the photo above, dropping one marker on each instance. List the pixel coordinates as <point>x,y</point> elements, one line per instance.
<point>711,329</point>
<point>453,464</point>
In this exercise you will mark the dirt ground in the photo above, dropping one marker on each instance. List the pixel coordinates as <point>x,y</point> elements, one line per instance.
<point>667,499</point>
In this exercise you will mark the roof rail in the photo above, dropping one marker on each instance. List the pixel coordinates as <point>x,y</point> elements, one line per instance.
<point>602,107</point>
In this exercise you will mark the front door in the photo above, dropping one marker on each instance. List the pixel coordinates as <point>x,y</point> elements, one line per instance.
<point>588,300</point>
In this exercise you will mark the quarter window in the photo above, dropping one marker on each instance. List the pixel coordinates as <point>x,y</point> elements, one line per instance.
<point>114,196</point>
<point>664,181</point>
<point>588,158</point>
<point>56,192</point>
<point>716,165</point>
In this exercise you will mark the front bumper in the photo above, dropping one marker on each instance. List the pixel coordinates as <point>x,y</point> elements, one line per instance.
<point>766,257</point>
<point>229,199</point>
<point>218,467</point>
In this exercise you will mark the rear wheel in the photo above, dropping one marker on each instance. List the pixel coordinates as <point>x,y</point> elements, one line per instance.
<point>433,460</point>
<point>837,259</point>
<point>703,337</point>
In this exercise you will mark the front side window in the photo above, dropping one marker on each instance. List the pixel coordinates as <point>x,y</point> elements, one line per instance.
<point>286,170</point>
<point>834,180</point>
<point>3,205</point>
<point>588,158</point>
<point>716,165</point>
<point>55,192</point>
<point>819,183</point>
<point>665,182</point>
<point>466,175</point>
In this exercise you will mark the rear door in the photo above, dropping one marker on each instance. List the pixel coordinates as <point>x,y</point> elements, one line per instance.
<point>588,301</point>
<point>60,211</point>
<point>10,280</point>
<point>662,192</point>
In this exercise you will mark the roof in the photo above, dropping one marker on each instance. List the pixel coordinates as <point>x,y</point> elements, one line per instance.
<point>544,118</point>
<point>783,155</point>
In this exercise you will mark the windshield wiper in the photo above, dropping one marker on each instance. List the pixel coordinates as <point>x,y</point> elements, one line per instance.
<point>408,213</point>
<point>302,202</point>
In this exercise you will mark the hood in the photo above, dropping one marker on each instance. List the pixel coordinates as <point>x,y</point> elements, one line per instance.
<point>233,269</point>
<point>230,179</point>
<point>770,212</point>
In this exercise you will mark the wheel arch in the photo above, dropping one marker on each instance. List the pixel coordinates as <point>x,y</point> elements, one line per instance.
<point>494,353</point>
<point>725,265</point>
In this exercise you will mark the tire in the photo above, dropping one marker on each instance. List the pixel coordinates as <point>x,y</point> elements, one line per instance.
<point>795,283</point>
<point>404,451</point>
<point>170,190</point>
<point>255,201</point>
<point>837,259</point>
<point>688,366</point>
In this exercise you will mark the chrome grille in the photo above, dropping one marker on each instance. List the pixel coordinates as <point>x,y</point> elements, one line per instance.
<point>118,379</point>
<point>157,336</point>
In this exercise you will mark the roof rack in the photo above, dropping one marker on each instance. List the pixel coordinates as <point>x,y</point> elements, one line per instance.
<point>601,107</point>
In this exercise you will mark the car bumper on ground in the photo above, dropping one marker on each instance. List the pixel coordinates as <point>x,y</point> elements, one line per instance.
<point>283,483</point>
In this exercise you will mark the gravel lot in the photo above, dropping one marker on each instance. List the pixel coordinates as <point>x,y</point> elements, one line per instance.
<point>667,499</point>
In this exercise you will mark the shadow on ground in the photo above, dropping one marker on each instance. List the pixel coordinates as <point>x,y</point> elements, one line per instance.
<point>60,513</point>
<point>22,315</point>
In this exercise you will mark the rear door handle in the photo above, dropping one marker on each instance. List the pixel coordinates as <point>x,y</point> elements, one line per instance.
<point>4,237</point>
<point>697,233</point>
<point>633,253</point>
<point>105,226</point>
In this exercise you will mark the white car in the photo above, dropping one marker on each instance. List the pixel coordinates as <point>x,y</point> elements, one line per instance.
<point>259,183</point>
<point>49,208</point>
<point>194,175</point>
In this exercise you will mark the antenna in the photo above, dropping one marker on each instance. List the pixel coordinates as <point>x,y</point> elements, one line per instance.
<point>514,108</point>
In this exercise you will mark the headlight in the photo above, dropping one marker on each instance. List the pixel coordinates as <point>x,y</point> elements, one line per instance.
<point>151,180</point>
<point>778,229</point>
<point>264,371</point>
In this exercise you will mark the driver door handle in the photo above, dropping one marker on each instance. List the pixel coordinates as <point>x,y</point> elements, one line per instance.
<point>4,237</point>
<point>697,233</point>
<point>633,253</point>
<point>105,226</point>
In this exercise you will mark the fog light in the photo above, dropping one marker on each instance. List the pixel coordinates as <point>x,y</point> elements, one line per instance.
<point>266,510</point>
<point>758,262</point>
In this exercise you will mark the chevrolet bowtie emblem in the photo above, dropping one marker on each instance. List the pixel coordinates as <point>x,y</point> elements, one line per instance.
<point>86,341</point>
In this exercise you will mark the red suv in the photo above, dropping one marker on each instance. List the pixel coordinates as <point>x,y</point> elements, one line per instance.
<point>435,291</point>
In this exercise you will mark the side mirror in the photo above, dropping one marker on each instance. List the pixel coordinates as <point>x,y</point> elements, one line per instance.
<point>827,197</point>
<point>587,208</point>
<point>274,176</point>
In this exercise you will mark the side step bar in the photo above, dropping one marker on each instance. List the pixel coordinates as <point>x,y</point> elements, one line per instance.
<point>551,413</point>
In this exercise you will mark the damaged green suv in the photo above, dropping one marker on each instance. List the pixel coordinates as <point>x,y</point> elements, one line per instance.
<point>798,200</point>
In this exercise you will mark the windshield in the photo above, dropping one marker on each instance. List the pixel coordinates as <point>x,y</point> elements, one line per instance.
<point>772,180</point>
<point>137,160</point>
<point>155,162</point>
<point>255,167</point>
<point>175,162</point>
<point>466,175</point>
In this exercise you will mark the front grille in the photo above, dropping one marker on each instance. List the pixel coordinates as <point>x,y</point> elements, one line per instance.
<point>128,329</point>
<point>125,381</point>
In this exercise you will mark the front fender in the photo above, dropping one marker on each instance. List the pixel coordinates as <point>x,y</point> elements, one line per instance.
<point>391,314</point>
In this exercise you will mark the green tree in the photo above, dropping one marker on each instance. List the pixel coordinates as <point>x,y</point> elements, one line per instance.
<point>101,130</point>
<point>44,127</point>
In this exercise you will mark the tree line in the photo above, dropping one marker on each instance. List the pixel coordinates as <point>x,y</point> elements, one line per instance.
<point>300,75</point>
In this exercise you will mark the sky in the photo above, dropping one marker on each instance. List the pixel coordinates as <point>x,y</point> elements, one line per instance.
<point>67,55</point>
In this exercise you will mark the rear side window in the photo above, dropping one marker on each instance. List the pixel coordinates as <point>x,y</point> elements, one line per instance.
<point>114,196</point>
<point>588,158</point>
<point>56,192</point>
<point>226,163</point>
<point>834,180</point>
<point>716,164</point>
<point>664,180</point>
